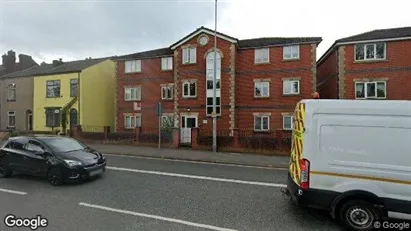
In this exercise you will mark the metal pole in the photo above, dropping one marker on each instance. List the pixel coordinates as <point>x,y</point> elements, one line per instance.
<point>214,82</point>
<point>159,124</point>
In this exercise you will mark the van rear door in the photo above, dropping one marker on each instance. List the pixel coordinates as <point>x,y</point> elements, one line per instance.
<point>297,143</point>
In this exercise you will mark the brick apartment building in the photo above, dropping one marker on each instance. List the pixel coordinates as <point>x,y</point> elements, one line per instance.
<point>259,82</point>
<point>371,65</point>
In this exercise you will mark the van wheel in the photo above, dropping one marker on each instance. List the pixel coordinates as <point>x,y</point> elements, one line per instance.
<point>54,177</point>
<point>5,172</point>
<point>358,215</point>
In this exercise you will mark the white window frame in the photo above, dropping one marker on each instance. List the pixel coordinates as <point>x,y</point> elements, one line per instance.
<point>11,114</point>
<point>261,117</point>
<point>167,117</point>
<point>291,81</point>
<point>130,98</point>
<point>365,51</point>
<point>292,121</point>
<point>188,95</point>
<point>189,55</point>
<point>171,87</point>
<point>210,78</point>
<point>10,89</point>
<point>167,63</point>
<point>288,52</point>
<point>259,55</point>
<point>135,118</point>
<point>132,66</point>
<point>261,84</point>
<point>365,83</point>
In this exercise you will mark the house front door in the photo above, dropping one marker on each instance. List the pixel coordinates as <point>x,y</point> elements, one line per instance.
<point>187,122</point>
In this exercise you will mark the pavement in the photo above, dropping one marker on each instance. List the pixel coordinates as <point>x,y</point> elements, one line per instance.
<point>158,194</point>
<point>195,155</point>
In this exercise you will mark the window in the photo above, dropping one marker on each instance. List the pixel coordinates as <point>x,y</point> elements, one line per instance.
<point>52,117</point>
<point>132,93</point>
<point>291,52</point>
<point>133,66</point>
<point>73,87</point>
<point>210,70</point>
<point>53,88</point>
<point>189,55</point>
<point>210,106</point>
<point>261,89</point>
<point>288,122</point>
<point>11,92</point>
<point>167,63</point>
<point>189,89</point>
<point>167,121</point>
<point>167,92</point>
<point>33,146</point>
<point>261,123</point>
<point>373,51</point>
<point>370,90</point>
<point>12,118</point>
<point>261,55</point>
<point>291,87</point>
<point>17,143</point>
<point>132,121</point>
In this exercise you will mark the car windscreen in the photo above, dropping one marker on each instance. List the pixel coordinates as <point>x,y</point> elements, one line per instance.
<point>64,144</point>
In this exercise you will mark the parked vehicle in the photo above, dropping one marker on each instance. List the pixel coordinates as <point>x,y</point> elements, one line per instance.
<point>352,158</point>
<point>59,159</point>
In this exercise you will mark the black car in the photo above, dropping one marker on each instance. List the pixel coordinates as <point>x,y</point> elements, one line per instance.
<point>60,159</point>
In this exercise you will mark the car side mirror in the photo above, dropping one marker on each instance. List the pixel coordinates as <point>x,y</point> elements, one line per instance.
<point>40,153</point>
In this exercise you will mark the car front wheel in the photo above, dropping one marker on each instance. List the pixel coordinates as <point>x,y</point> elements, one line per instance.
<point>54,177</point>
<point>4,171</point>
<point>359,215</point>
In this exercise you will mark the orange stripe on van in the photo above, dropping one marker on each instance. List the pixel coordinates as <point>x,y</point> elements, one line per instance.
<point>361,177</point>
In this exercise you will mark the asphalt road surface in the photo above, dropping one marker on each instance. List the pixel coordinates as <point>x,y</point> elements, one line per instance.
<point>147,194</point>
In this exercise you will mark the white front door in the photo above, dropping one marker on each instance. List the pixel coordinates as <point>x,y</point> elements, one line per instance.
<point>187,122</point>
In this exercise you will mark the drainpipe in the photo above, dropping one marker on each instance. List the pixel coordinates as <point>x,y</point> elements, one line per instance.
<point>78,98</point>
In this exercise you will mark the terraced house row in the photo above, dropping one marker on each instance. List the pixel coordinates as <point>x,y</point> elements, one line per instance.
<point>259,82</point>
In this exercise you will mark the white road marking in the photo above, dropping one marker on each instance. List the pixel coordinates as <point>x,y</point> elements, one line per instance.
<point>198,162</point>
<point>12,191</point>
<point>197,177</point>
<point>156,217</point>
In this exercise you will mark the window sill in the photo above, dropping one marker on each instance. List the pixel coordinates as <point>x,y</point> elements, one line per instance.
<point>265,63</point>
<point>262,131</point>
<point>132,100</point>
<point>291,60</point>
<point>170,70</point>
<point>167,100</point>
<point>371,61</point>
<point>379,98</point>
<point>291,95</point>
<point>189,97</point>
<point>262,97</point>
<point>54,97</point>
<point>11,100</point>
<point>189,64</point>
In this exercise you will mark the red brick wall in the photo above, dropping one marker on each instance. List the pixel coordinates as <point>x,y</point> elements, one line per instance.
<point>150,79</point>
<point>327,76</point>
<point>198,71</point>
<point>278,69</point>
<point>398,55</point>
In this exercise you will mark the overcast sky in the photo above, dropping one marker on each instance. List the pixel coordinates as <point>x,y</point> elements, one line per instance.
<point>78,29</point>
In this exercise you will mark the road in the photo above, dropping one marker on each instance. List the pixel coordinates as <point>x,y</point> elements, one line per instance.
<point>147,194</point>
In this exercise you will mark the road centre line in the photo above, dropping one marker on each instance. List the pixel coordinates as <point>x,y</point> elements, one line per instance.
<point>155,217</point>
<point>198,162</point>
<point>12,191</point>
<point>197,177</point>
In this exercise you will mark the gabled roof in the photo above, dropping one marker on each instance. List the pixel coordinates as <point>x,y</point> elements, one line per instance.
<point>147,54</point>
<point>273,41</point>
<point>390,34</point>
<point>48,69</point>
<point>203,30</point>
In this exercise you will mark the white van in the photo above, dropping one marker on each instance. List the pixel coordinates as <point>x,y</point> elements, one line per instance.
<point>352,158</point>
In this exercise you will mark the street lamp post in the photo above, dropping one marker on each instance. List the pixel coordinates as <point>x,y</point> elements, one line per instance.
<point>214,82</point>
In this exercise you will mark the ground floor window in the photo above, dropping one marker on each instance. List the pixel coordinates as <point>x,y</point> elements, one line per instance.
<point>132,121</point>
<point>261,123</point>
<point>370,90</point>
<point>167,121</point>
<point>52,117</point>
<point>288,122</point>
<point>210,106</point>
<point>11,119</point>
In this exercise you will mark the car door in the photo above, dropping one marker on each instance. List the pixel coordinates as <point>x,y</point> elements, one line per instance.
<point>35,163</point>
<point>17,154</point>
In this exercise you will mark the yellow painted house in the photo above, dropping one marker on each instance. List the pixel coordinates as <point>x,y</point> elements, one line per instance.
<point>73,93</point>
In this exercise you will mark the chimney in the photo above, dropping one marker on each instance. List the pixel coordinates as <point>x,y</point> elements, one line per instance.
<point>57,63</point>
<point>26,61</point>
<point>9,61</point>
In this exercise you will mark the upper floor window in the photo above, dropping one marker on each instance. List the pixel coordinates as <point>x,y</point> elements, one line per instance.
<point>167,63</point>
<point>11,118</point>
<point>262,89</point>
<point>167,91</point>
<point>189,55</point>
<point>53,88</point>
<point>189,89</point>
<point>291,52</point>
<point>11,92</point>
<point>262,55</point>
<point>288,122</point>
<point>291,87</point>
<point>210,70</point>
<point>370,90</point>
<point>372,51</point>
<point>262,123</point>
<point>132,93</point>
<point>133,66</point>
<point>73,87</point>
